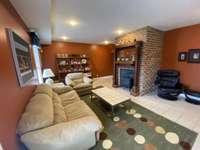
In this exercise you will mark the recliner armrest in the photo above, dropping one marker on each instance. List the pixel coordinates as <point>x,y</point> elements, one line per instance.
<point>69,82</point>
<point>87,80</point>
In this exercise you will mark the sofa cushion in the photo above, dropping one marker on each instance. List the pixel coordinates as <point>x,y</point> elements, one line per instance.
<point>56,98</point>
<point>78,110</point>
<point>59,114</point>
<point>78,81</point>
<point>61,90</point>
<point>38,114</point>
<point>43,89</point>
<point>82,85</point>
<point>69,97</point>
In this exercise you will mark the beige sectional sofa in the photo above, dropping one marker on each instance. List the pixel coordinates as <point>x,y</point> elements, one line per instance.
<point>57,119</point>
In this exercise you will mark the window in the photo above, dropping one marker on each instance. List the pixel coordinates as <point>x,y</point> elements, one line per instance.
<point>37,63</point>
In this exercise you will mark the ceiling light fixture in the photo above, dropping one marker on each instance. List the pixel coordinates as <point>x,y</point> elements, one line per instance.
<point>73,23</point>
<point>64,38</point>
<point>106,42</point>
<point>120,31</point>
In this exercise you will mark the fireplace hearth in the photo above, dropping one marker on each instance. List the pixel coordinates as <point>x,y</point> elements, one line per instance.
<point>126,77</point>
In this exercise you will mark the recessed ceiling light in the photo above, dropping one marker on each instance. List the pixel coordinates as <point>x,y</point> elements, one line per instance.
<point>120,31</point>
<point>64,38</point>
<point>106,42</point>
<point>73,23</point>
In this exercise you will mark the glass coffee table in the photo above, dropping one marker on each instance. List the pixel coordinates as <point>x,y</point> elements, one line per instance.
<point>110,96</point>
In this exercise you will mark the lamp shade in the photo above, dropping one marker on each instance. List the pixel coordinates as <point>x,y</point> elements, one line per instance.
<point>48,73</point>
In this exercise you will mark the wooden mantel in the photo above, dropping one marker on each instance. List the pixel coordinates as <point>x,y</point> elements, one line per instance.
<point>128,52</point>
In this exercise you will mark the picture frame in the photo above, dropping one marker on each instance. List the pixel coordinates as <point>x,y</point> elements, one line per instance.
<point>194,56</point>
<point>22,58</point>
<point>182,56</point>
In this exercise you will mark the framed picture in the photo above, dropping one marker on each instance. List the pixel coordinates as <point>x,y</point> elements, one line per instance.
<point>182,56</point>
<point>22,58</point>
<point>194,56</point>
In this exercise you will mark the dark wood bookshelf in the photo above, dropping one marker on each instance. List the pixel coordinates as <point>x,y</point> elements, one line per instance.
<point>71,64</point>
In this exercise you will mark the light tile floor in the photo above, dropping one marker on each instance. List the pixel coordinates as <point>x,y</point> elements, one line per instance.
<point>181,112</point>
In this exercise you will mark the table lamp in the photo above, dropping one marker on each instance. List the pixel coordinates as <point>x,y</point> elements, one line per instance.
<point>48,74</point>
<point>1,148</point>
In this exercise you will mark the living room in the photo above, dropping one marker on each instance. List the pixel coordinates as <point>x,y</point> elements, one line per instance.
<point>79,75</point>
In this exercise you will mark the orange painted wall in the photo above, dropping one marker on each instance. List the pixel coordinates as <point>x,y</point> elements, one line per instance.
<point>100,55</point>
<point>12,97</point>
<point>179,40</point>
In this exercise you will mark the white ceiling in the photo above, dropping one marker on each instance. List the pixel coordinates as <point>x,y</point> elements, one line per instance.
<point>99,19</point>
<point>36,15</point>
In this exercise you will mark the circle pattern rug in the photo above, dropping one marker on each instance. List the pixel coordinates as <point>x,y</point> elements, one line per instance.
<point>135,127</point>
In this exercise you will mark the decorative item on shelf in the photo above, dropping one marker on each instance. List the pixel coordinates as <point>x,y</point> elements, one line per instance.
<point>84,55</point>
<point>58,56</point>
<point>133,58</point>
<point>62,63</point>
<point>81,69</point>
<point>118,59</point>
<point>62,55</point>
<point>194,56</point>
<point>122,59</point>
<point>87,68</point>
<point>48,74</point>
<point>84,61</point>
<point>182,56</point>
<point>66,55</point>
<point>126,59</point>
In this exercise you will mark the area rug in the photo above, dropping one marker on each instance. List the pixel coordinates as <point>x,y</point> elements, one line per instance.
<point>134,127</point>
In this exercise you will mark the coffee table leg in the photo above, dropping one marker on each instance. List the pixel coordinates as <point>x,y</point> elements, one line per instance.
<point>113,110</point>
<point>91,97</point>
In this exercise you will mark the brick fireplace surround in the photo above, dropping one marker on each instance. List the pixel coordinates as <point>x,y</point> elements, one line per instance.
<point>150,56</point>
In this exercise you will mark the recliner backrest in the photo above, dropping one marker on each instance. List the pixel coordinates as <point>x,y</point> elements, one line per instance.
<point>168,78</point>
<point>74,76</point>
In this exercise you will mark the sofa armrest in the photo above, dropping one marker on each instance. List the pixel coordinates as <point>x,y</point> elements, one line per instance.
<point>69,82</point>
<point>61,90</point>
<point>63,135</point>
<point>87,80</point>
